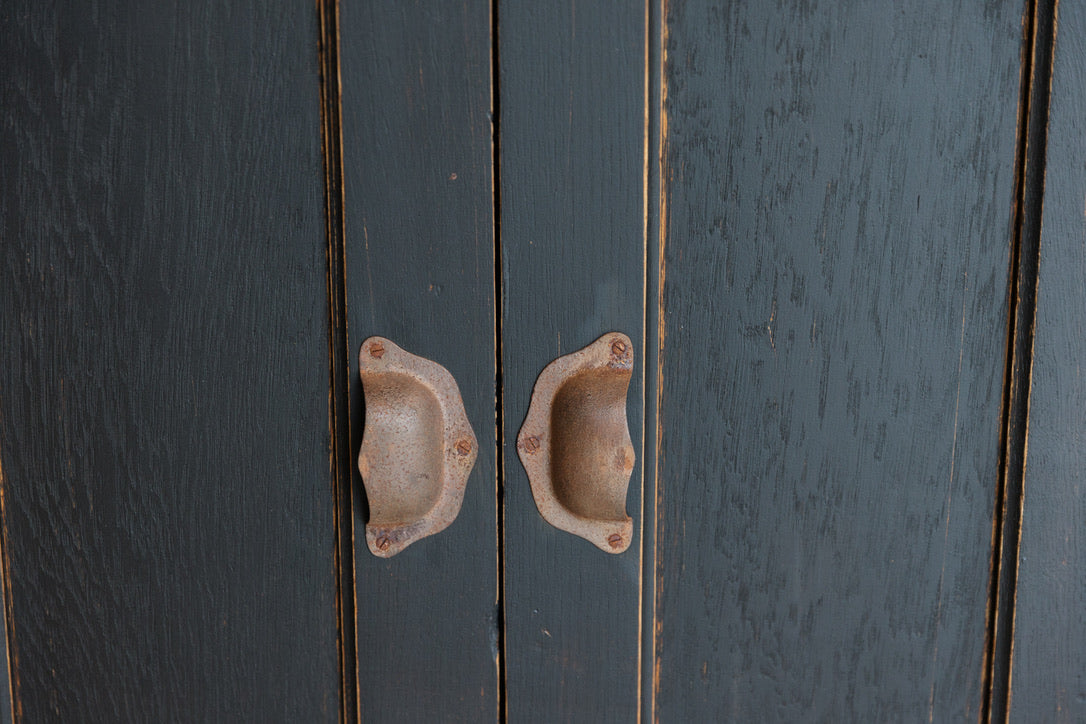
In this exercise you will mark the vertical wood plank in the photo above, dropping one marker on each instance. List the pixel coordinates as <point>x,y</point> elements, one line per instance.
<point>838,195</point>
<point>168,521</point>
<point>420,271</point>
<point>1048,674</point>
<point>573,252</point>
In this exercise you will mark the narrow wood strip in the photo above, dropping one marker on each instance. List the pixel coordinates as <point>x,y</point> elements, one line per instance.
<point>654,50</point>
<point>573,260</point>
<point>417,162</point>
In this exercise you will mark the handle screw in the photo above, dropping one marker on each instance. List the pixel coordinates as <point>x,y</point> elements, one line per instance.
<point>383,543</point>
<point>614,540</point>
<point>377,350</point>
<point>618,348</point>
<point>463,447</point>
<point>531,444</point>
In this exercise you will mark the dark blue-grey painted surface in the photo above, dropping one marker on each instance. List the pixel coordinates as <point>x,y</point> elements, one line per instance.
<point>838,197</point>
<point>573,254</point>
<point>420,271</point>
<point>164,438</point>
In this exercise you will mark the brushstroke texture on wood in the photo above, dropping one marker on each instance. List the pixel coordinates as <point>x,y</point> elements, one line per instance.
<point>420,271</point>
<point>573,254</point>
<point>838,190</point>
<point>168,516</point>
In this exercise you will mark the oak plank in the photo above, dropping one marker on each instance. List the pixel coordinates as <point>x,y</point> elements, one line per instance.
<point>168,515</point>
<point>419,239</point>
<point>838,195</point>
<point>573,268</point>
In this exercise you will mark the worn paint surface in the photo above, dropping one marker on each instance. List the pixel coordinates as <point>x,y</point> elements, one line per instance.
<point>168,517</point>
<point>838,191</point>
<point>572,86</point>
<point>419,269</point>
<point>834,217</point>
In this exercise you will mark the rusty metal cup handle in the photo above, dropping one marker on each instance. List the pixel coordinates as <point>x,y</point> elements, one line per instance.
<point>575,443</point>
<point>418,447</point>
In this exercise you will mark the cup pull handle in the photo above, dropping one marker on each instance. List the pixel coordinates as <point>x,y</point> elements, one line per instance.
<point>575,443</point>
<point>418,447</point>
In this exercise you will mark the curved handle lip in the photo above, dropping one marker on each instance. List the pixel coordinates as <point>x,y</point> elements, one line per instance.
<point>459,446</point>
<point>613,351</point>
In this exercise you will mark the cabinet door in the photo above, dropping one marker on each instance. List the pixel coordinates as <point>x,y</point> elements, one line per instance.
<point>820,226</point>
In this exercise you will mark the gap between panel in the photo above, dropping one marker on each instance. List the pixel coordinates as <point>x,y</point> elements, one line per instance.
<point>652,336</point>
<point>1039,33</point>
<point>339,355</point>
<point>499,401</point>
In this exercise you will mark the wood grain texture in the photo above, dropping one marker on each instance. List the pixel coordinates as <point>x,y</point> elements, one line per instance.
<point>573,253</point>
<point>420,271</point>
<point>654,233</point>
<point>838,193</point>
<point>164,420</point>
<point>1048,675</point>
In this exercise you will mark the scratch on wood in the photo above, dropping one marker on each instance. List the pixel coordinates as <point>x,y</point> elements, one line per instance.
<point>772,317</point>
<point>369,276</point>
<point>949,499</point>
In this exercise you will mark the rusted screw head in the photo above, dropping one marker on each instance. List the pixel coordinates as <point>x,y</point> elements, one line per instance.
<point>463,447</point>
<point>383,543</point>
<point>377,350</point>
<point>531,444</point>
<point>614,540</point>
<point>618,348</point>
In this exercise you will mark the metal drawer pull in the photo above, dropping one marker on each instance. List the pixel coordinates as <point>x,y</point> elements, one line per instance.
<point>575,443</point>
<point>418,447</point>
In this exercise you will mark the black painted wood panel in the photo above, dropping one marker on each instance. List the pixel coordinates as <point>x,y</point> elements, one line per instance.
<point>420,271</point>
<point>1048,675</point>
<point>164,422</point>
<point>838,195</point>
<point>572,175</point>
